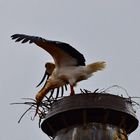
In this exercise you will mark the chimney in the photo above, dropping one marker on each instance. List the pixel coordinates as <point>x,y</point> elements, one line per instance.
<point>91,116</point>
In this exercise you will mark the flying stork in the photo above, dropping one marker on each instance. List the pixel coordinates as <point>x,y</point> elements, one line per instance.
<point>69,67</point>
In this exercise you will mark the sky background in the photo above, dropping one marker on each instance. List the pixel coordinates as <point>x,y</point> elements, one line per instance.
<point>106,30</point>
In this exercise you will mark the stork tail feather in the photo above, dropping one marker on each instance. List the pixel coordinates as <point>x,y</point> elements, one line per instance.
<point>94,67</point>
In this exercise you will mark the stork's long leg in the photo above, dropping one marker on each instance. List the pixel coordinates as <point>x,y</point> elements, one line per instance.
<point>72,90</point>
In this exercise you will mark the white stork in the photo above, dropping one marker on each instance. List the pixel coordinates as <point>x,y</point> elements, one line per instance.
<point>69,65</point>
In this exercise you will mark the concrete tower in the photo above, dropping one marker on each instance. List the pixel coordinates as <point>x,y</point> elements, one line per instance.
<point>92,116</point>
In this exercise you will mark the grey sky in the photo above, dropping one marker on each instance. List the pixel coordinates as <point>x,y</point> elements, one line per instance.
<point>100,29</point>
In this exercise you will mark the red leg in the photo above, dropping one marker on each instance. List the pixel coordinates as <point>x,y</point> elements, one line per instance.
<point>72,90</point>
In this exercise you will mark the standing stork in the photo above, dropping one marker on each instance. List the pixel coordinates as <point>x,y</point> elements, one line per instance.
<point>70,66</point>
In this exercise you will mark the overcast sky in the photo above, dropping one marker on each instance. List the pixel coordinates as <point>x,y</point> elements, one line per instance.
<point>106,30</point>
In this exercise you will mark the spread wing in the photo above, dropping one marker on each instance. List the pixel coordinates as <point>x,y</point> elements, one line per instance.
<point>62,53</point>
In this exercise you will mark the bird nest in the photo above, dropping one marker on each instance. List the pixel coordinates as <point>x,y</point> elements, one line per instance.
<point>47,103</point>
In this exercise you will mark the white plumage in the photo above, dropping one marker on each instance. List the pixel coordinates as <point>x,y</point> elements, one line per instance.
<point>69,65</point>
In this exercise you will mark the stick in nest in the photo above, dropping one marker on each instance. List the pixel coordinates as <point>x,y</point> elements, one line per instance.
<point>43,108</point>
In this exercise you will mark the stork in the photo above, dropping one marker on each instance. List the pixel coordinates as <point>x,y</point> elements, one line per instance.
<point>69,68</point>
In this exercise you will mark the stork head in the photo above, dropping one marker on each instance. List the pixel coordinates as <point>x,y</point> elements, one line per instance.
<point>49,67</point>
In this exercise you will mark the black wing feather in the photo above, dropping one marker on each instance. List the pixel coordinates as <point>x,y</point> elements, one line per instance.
<point>72,51</point>
<point>61,45</point>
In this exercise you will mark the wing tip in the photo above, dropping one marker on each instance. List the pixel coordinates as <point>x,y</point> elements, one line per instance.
<point>21,37</point>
